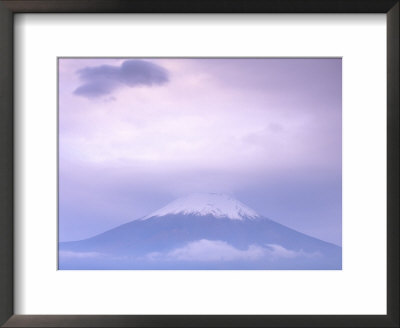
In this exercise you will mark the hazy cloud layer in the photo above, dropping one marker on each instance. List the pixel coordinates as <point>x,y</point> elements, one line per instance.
<point>205,250</point>
<point>79,255</point>
<point>102,80</point>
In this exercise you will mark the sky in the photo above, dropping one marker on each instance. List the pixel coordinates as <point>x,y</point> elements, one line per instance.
<point>137,133</point>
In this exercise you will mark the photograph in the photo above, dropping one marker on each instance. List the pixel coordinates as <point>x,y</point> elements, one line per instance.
<point>222,163</point>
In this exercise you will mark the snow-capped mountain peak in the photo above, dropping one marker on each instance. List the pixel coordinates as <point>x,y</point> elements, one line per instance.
<point>202,204</point>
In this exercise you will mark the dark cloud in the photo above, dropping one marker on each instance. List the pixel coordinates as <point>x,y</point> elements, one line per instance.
<point>102,80</point>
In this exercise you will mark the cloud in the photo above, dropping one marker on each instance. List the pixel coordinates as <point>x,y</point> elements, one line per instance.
<point>103,80</point>
<point>79,255</point>
<point>214,250</point>
<point>205,250</point>
<point>278,251</point>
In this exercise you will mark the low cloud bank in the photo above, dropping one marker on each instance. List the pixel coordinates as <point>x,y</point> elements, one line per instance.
<point>79,255</point>
<point>205,250</point>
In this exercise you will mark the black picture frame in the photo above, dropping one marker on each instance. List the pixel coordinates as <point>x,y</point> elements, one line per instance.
<point>10,7</point>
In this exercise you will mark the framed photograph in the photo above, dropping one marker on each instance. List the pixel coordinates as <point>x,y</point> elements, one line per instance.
<point>199,164</point>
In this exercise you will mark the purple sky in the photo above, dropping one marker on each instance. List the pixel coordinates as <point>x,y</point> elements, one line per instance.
<point>134,134</point>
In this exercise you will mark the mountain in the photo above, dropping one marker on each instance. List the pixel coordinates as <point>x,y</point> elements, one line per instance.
<point>202,204</point>
<point>201,231</point>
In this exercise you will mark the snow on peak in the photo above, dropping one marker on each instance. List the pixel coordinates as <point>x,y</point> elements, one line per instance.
<point>218,205</point>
